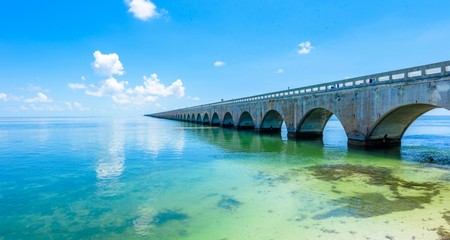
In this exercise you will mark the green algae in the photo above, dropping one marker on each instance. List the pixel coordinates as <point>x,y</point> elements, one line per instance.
<point>228,203</point>
<point>270,180</point>
<point>364,205</point>
<point>166,216</point>
<point>446,216</point>
<point>442,233</point>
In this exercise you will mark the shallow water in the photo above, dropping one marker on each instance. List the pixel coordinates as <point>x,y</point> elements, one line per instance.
<point>148,178</point>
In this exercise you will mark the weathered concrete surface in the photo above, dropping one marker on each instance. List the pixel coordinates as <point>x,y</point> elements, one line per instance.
<point>374,110</point>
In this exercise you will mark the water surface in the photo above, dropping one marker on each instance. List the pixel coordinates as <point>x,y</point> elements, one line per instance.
<point>144,178</point>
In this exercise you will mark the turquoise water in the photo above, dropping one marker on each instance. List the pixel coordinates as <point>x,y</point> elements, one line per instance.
<point>145,178</point>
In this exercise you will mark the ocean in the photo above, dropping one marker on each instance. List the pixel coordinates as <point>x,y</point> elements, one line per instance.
<point>147,178</point>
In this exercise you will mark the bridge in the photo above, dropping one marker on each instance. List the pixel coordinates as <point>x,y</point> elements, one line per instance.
<point>374,110</point>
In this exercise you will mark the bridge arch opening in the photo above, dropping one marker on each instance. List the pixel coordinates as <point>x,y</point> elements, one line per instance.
<point>215,121</point>
<point>315,125</point>
<point>271,122</point>
<point>246,121</point>
<point>188,117</point>
<point>184,117</point>
<point>390,128</point>
<point>193,118</point>
<point>199,118</point>
<point>206,119</point>
<point>228,120</point>
<point>312,124</point>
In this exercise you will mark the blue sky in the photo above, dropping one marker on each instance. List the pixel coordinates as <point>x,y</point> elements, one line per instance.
<point>115,57</point>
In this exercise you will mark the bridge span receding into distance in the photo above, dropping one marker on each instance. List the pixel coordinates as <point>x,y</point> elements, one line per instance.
<point>374,110</point>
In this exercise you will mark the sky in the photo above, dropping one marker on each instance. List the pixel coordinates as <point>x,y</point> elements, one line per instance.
<point>132,57</point>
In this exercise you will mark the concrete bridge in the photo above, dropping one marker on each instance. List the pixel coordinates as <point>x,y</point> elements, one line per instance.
<point>375,110</point>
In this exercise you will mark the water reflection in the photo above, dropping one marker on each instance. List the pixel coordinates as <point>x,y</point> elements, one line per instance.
<point>333,146</point>
<point>159,138</point>
<point>110,166</point>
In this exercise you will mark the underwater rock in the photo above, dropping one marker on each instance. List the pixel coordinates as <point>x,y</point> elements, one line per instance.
<point>228,203</point>
<point>442,233</point>
<point>168,215</point>
<point>269,180</point>
<point>374,204</point>
<point>446,216</point>
<point>377,176</point>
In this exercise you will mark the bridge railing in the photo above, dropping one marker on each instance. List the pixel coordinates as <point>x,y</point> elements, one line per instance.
<point>408,74</point>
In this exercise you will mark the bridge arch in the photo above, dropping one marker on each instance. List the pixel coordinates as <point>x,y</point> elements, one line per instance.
<point>193,118</point>
<point>215,121</point>
<point>206,118</point>
<point>389,128</point>
<point>271,122</point>
<point>246,121</point>
<point>188,117</point>
<point>227,120</point>
<point>199,118</point>
<point>312,123</point>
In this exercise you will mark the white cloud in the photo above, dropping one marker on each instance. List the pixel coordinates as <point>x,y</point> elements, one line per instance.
<point>153,86</point>
<point>107,64</point>
<point>305,48</point>
<point>150,91</point>
<point>280,71</point>
<point>109,86</point>
<point>142,9</point>
<point>3,96</point>
<point>83,78</point>
<point>75,106</point>
<point>39,98</point>
<point>219,64</point>
<point>77,86</point>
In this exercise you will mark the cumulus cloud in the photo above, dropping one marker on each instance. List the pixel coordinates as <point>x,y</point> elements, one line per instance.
<point>142,9</point>
<point>119,91</point>
<point>77,86</point>
<point>42,98</point>
<point>150,91</point>
<point>305,48</point>
<point>219,64</point>
<point>153,86</point>
<point>3,97</point>
<point>107,64</point>
<point>109,86</point>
